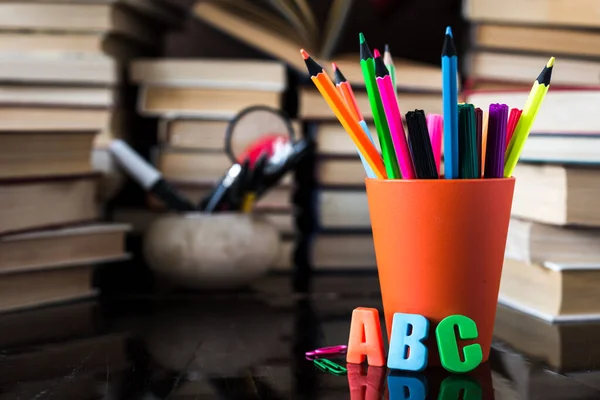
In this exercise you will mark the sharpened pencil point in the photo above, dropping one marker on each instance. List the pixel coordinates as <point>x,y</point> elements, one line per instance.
<point>449,31</point>
<point>304,54</point>
<point>339,77</point>
<point>386,49</point>
<point>376,53</point>
<point>550,62</point>
<point>361,37</point>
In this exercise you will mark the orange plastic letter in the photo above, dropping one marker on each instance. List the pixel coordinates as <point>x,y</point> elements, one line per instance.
<point>365,339</point>
<point>365,386</point>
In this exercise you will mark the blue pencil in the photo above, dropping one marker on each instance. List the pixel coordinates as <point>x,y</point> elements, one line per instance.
<point>450,103</point>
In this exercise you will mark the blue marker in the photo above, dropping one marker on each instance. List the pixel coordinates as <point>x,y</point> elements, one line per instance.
<point>450,103</point>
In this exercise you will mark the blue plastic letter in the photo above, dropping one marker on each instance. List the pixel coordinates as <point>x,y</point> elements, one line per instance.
<point>407,350</point>
<point>407,387</point>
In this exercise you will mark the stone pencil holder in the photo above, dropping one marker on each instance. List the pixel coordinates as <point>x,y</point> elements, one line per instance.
<point>211,251</point>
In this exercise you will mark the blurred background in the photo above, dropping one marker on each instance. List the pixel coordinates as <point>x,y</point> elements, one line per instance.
<point>79,219</point>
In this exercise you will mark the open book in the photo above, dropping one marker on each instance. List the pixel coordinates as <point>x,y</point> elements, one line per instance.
<point>281,28</point>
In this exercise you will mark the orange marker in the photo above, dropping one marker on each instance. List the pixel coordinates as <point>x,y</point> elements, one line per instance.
<point>365,341</point>
<point>344,115</point>
<point>346,91</point>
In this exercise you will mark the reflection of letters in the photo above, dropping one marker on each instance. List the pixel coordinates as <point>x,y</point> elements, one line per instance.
<point>365,387</point>
<point>407,387</point>
<point>407,350</point>
<point>448,344</point>
<point>453,386</point>
<point>365,338</point>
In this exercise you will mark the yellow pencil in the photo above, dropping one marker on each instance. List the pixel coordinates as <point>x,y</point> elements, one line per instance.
<point>530,110</point>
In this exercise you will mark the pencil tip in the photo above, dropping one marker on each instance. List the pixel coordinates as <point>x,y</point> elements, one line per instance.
<point>334,66</point>
<point>550,62</point>
<point>361,37</point>
<point>376,53</point>
<point>304,54</point>
<point>387,48</point>
<point>449,31</point>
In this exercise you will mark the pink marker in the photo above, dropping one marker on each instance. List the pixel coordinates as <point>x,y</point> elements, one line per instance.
<point>394,119</point>
<point>435,126</point>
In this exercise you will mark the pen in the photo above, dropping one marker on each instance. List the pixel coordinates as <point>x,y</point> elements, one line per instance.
<point>147,176</point>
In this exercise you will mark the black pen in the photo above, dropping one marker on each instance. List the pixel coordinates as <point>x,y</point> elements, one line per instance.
<point>218,195</point>
<point>147,176</point>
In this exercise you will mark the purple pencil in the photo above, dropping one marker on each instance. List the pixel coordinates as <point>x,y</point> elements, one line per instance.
<point>496,141</point>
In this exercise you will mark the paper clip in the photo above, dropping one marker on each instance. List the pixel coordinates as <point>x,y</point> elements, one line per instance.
<point>332,350</point>
<point>326,352</point>
<point>329,366</point>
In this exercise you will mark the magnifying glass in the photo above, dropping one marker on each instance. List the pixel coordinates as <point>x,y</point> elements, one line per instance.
<point>257,130</point>
<point>254,132</point>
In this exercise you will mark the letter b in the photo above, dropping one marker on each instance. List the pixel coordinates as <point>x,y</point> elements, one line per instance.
<point>407,350</point>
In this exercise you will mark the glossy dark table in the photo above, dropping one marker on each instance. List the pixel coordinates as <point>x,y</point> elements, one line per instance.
<point>251,344</point>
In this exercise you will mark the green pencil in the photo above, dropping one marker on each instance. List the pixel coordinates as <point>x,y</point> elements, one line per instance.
<point>367,64</point>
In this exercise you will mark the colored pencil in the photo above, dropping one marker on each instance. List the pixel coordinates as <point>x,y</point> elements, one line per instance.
<point>450,104</point>
<point>347,94</point>
<point>389,64</point>
<point>496,141</point>
<point>478,134</point>
<point>344,115</point>
<point>435,126</point>
<point>420,145</point>
<point>530,110</point>
<point>393,117</point>
<point>467,142</point>
<point>367,64</point>
<point>346,91</point>
<point>513,119</point>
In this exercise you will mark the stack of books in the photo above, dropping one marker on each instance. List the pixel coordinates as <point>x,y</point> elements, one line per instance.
<point>49,235</point>
<point>553,253</point>
<point>63,96</point>
<point>64,66</point>
<point>194,100</point>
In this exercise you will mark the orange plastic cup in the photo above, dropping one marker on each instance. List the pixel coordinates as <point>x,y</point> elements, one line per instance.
<point>440,246</point>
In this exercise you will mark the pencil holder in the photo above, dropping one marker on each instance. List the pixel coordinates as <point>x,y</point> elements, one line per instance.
<point>211,251</point>
<point>439,246</point>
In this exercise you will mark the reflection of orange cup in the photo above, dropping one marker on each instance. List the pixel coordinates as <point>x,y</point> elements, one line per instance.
<point>440,247</point>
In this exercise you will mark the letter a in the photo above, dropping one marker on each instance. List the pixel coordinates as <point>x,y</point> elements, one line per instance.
<point>448,346</point>
<point>407,350</point>
<point>365,339</point>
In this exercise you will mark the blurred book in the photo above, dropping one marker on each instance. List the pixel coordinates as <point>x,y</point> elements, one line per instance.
<point>45,153</point>
<point>34,203</point>
<point>344,209</point>
<point>533,242</point>
<point>281,30</point>
<point>343,251</point>
<point>212,89</point>
<point>538,39</point>
<point>541,12</point>
<point>558,345</point>
<point>64,246</point>
<point>551,291</point>
<point>557,194</point>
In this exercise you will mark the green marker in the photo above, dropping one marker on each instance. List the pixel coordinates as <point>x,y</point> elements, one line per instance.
<point>367,64</point>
